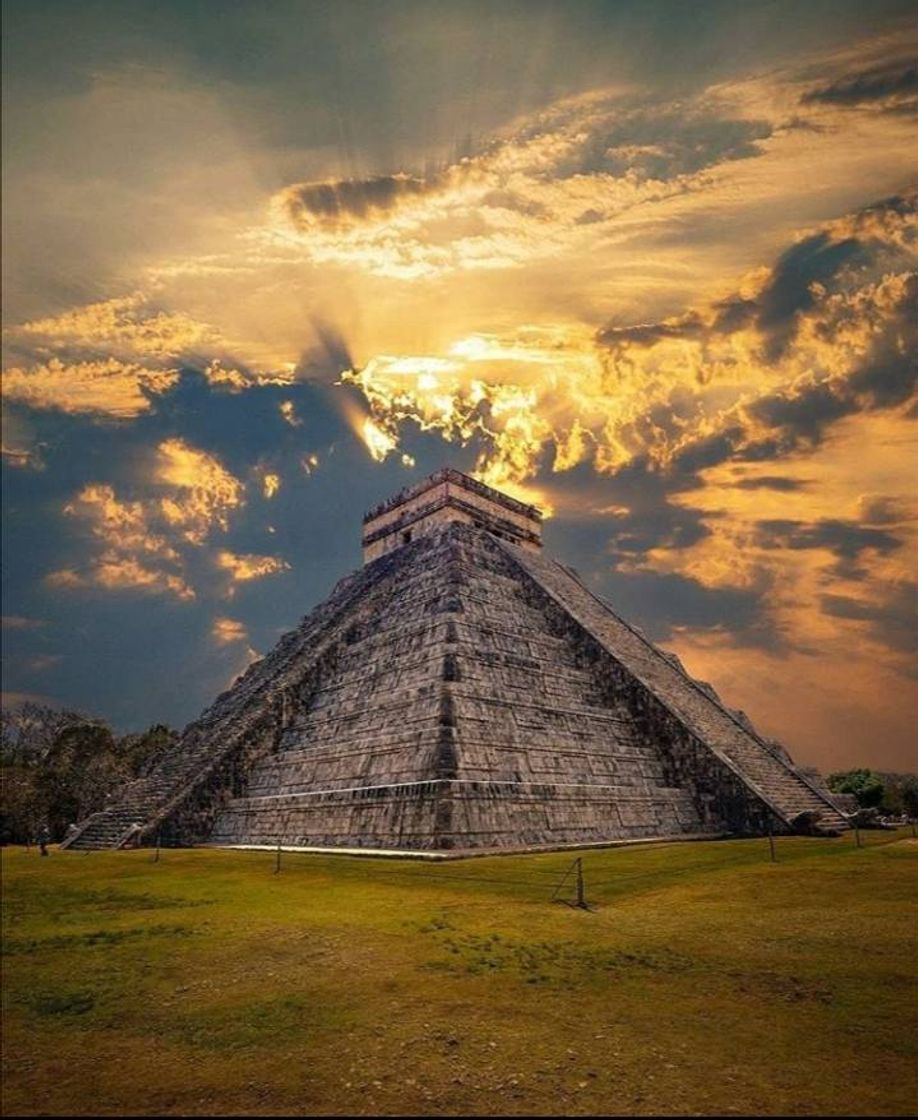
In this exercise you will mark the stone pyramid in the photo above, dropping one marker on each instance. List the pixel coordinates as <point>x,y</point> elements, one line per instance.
<point>462,692</point>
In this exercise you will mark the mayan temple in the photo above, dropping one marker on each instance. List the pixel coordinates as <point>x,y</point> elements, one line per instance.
<point>462,692</point>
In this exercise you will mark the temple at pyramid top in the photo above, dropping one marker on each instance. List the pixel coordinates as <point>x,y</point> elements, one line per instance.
<point>448,495</point>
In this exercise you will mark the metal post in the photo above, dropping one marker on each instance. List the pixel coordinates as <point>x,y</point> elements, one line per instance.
<point>857,834</point>
<point>277,862</point>
<point>771,845</point>
<point>564,877</point>
<point>581,901</point>
<point>159,838</point>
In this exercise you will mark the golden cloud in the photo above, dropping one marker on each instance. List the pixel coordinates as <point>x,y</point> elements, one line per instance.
<point>108,386</point>
<point>248,566</point>
<point>588,177</point>
<point>126,325</point>
<point>823,564</point>
<point>288,411</point>
<point>144,543</point>
<point>603,203</point>
<point>110,357</point>
<point>235,380</point>
<point>204,492</point>
<point>228,630</point>
<point>133,555</point>
<point>537,191</point>
<point>816,329</point>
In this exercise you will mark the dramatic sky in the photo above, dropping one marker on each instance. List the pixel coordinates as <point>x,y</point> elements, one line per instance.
<point>650,265</point>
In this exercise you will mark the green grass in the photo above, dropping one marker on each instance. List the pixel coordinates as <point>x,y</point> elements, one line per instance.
<point>707,980</point>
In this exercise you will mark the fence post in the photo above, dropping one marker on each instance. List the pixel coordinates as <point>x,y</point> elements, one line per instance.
<point>581,900</point>
<point>277,862</point>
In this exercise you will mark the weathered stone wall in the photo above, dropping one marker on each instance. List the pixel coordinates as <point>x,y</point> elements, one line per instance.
<point>735,777</point>
<point>456,815</point>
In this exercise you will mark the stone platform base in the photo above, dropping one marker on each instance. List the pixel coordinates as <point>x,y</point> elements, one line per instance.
<point>471,853</point>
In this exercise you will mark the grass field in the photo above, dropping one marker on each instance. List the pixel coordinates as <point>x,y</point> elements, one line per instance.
<point>707,980</point>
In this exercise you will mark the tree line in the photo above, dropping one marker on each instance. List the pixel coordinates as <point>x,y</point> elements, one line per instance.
<point>891,794</point>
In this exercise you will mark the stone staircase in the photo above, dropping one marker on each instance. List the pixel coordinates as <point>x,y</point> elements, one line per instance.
<point>138,802</point>
<point>223,727</point>
<point>772,778</point>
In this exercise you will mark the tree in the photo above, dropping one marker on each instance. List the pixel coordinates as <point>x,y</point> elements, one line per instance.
<point>140,752</point>
<point>866,786</point>
<point>28,732</point>
<point>910,797</point>
<point>20,810</point>
<point>77,774</point>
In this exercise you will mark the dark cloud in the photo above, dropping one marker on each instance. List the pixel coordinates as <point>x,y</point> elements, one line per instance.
<point>790,290</point>
<point>707,452</point>
<point>629,514</point>
<point>645,518</point>
<point>894,83</point>
<point>846,539</point>
<point>800,278</point>
<point>733,314</point>
<point>771,482</point>
<point>802,416</point>
<point>882,509</point>
<point>886,382</point>
<point>891,621</point>
<point>887,376</point>
<point>797,417</point>
<point>341,202</point>
<point>653,144</point>
<point>663,603</point>
<point>648,334</point>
